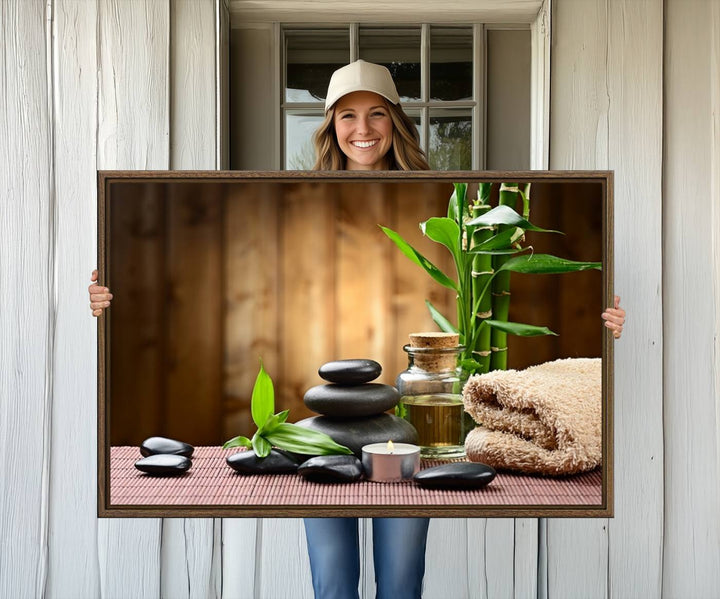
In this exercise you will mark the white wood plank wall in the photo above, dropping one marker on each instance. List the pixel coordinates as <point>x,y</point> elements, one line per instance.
<point>692,401</point>
<point>117,84</point>
<point>73,568</point>
<point>27,317</point>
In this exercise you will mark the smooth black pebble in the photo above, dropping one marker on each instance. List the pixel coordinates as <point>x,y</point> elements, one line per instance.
<point>163,464</point>
<point>351,401</point>
<point>332,469</point>
<point>157,445</point>
<point>459,475</point>
<point>276,462</point>
<point>350,372</point>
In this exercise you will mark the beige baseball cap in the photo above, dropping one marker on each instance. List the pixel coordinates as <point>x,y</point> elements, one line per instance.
<point>361,76</point>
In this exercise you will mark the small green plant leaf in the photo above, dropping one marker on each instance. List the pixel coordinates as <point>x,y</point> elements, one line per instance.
<point>238,441</point>
<point>522,330</point>
<point>272,422</point>
<point>470,365</point>
<point>504,215</point>
<point>299,439</point>
<point>444,231</point>
<point>419,259</point>
<point>546,264</point>
<point>262,404</point>
<point>445,325</point>
<point>261,445</point>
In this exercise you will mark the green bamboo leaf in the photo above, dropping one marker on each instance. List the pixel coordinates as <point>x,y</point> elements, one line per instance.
<point>522,330</point>
<point>456,205</point>
<point>546,264</point>
<point>503,239</point>
<point>299,439</point>
<point>238,441</point>
<point>261,445</point>
<point>484,190</point>
<point>419,259</point>
<point>262,404</point>
<point>444,231</point>
<point>504,215</point>
<point>272,422</point>
<point>445,325</point>
<point>498,252</point>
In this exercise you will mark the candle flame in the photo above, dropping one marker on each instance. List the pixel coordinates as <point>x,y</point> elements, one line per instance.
<point>390,447</point>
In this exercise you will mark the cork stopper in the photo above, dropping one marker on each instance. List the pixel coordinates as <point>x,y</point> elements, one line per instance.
<point>435,361</point>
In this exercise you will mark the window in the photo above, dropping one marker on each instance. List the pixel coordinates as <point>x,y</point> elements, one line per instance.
<point>467,87</point>
<point>437,71</point>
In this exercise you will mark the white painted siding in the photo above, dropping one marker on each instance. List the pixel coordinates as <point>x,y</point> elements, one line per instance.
<point>90,85</point>
<point>692,404</point>
<point>73,525</point>
<point>27,311</point>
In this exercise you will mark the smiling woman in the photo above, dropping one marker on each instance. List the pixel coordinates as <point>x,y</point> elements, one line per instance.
<point>365,128</point>
<point>364,131</point>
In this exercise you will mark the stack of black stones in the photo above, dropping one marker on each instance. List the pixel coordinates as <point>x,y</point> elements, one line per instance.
<point>164,457</point>
<point>353,410</point>
<point>353,413</point>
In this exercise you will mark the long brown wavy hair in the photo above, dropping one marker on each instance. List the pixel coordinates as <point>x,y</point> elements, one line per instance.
<point>405,153</point>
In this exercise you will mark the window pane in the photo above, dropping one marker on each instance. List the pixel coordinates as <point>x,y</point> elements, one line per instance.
<point>399,50</point>
<point>299,149</point>
<point>450,145</point>
<point>451,56</point>
<point>311,57</point>
<point>414,115</point>
<point>508,100</point>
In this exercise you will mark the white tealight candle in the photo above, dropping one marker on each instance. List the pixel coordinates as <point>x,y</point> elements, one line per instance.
<point>390,462</point>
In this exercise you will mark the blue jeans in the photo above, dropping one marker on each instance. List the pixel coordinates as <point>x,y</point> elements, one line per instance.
<point>398,553</point>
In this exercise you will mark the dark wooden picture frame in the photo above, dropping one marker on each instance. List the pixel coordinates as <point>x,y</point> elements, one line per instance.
<point>187,262</point>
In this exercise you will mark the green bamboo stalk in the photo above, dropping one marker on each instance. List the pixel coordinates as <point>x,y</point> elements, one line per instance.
<point>509,195</point>
<point>457,210</point>
<point>525,188</point>
<point>481,271</point>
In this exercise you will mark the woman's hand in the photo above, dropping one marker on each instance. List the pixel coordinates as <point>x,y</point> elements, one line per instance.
<point>615,318</point>
<point>99,296</point>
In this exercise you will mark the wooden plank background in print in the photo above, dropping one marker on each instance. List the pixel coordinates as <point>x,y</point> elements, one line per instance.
<point>211,277</point>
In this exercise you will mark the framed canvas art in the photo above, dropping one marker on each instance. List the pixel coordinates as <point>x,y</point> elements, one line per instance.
<point>214,273</point>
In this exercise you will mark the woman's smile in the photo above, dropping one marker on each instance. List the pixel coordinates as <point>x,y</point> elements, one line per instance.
<point>364,144</point>
<point>364,130</point>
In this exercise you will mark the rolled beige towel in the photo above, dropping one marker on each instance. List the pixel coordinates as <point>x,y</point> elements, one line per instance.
<point>546,419</point>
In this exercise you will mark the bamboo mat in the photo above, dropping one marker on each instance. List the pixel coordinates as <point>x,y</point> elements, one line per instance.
<point>210,481</point>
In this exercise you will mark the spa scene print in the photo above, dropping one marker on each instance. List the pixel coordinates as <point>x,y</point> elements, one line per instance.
<point>348,345</point>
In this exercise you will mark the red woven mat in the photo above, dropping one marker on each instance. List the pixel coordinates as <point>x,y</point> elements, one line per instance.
<point>210,481</point>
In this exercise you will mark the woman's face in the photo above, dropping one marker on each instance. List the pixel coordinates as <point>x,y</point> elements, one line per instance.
<point>364,130</point>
